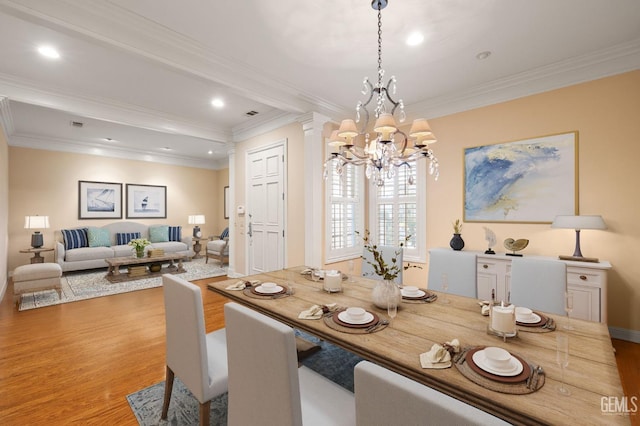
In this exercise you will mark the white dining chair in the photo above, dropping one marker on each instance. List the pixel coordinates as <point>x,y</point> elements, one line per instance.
<point>388,253</point>
<point>387,398</point>
<point>460,268</point>
<point>539,284</point>
<point>198,359</point>
<point>266,386</point>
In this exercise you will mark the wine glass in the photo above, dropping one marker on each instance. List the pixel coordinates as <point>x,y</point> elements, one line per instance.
<point>350,266</point>
<point>562,358</point>
<point>392,304</point>
<point>445,288</point>
<point>568,307</point>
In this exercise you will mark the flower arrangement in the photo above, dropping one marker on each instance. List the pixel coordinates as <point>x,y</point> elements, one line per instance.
<point>139,243</point>
<point>382,269</point>
<point>457,227</point>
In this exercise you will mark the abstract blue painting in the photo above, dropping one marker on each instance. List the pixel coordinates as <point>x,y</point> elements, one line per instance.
<point>531,180</point>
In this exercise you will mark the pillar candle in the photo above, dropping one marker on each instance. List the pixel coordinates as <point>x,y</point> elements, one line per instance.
<point>332,281</point>
<point>503,319</point>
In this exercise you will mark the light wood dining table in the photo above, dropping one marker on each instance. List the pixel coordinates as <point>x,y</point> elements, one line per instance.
<point>592,373</point>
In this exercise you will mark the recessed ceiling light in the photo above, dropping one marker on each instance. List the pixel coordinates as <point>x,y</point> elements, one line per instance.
<point>483,55</point>
<point>49,52</point>
<point>210,152</point>
<point>415,39</point>
<point>166,148</point>
<point>109,139</point>
<point>217,102</point>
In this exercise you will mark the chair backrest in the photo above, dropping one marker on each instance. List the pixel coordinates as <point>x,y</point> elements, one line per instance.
<point>460,268</point>
<point>263,369</point>
<point>186,349</point>
<point>387,398</point>
<point>539,284</point>
<point>388,253</point>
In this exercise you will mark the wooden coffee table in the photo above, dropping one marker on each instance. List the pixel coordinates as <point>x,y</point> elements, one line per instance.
<point>113,273</point>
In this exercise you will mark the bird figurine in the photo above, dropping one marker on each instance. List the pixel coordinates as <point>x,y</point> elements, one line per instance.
<point>490,236</point>
<point>515,245</point>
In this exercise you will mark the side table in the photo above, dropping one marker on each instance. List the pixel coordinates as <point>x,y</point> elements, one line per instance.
<point>37,258</point>
<point>197,247</point>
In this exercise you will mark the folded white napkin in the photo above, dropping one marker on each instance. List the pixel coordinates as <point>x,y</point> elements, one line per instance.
<point>484,310</point>
<point>438,356</point>
<point>306,271</point>
<point>315,312</point>
<point>241,285</point>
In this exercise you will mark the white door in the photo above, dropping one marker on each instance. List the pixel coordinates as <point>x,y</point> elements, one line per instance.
<point>265,209</point>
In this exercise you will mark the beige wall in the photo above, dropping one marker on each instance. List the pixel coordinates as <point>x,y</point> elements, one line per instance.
<point>4,211</point>
<point>295,192</point>
<point>46,183</point>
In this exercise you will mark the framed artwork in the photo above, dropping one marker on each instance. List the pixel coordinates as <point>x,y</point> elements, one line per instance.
<point>146,201</point>
<point>99,200</point>
<point>226,202</point>
<point>526,181</point>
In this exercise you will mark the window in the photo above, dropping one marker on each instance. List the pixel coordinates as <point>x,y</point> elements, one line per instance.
<point>398,210</point>
<point>345,204</point>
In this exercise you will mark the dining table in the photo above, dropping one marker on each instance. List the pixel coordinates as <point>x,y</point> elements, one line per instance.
<point>591,375</point>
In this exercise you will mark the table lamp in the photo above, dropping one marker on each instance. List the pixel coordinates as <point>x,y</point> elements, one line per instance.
<point>578,223</point>
<point>196,219</point>
<point>36,222</point>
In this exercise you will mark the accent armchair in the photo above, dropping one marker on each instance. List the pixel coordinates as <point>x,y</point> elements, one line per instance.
<point>218,247</point>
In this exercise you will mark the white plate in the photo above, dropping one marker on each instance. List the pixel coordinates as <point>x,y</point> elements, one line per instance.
<point>534,319</point>
<point>515,367</point>
<point>344,317</point>
<point>418,293</point>
<point>263,290</point>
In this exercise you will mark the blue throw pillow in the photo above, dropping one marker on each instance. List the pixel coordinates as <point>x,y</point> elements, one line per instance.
<point>175,233</point>
<point>159,234</point>
<point>123,238</point>
<point>224,234</point>
<point>98,237</point>
<point>75,238</point>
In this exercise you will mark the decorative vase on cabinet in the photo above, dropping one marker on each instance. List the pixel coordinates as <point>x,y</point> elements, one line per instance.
<point>456,243</point>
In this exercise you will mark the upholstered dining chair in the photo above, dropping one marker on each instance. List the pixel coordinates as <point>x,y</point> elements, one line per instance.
<point>388,253</point>
<point>265,384</point>
<point>387,398</point>
<point>218,247</point>
<point>199,360</point>
<point>539,284</point>
<point>459,267</point>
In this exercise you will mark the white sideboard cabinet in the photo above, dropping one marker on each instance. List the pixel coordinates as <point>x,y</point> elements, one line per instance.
<point>587,281</point>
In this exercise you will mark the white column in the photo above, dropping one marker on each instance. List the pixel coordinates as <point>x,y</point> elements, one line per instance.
<point>312,125</point>
<point>233,218</point>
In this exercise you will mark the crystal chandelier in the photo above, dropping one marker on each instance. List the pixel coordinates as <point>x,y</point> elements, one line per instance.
<point>390,148</point>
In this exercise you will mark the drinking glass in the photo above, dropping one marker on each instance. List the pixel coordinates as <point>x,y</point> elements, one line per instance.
<point>392,304</point>
<point>568,307</point>
<point>562,358</point>
<point>350,266</point>
<point>445,288</point>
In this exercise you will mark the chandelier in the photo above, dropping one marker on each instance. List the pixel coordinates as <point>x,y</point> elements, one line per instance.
<point>390,148</point>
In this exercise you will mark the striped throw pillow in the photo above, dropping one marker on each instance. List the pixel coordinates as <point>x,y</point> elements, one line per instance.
<point>224,234</point>
<point>175,233</point>
<point>75,238</point>
<point>123,238</point>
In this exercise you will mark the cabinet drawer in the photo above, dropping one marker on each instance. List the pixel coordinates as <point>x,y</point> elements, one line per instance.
<point>584,277</point>
<point>487,267</point>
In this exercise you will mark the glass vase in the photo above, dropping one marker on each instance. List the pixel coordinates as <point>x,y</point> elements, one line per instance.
<point>382,291</point>
<point>139,251</point>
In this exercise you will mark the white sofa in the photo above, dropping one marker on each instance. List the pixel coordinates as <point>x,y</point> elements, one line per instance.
<point>94,257</point>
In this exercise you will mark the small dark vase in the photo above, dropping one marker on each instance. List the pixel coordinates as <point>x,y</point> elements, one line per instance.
<point>456,243</point>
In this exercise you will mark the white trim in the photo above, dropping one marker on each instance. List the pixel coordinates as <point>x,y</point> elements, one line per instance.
<point>625,334</point>
<point>233,216</point>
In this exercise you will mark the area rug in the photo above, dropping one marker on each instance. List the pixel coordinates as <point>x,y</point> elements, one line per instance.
<point>87,285</point>
<point>331,361</point>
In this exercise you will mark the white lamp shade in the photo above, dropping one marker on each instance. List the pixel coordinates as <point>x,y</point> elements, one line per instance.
<point>196,219</point>
<point>579,222</point>
<point>385,124</point>
<point>420,128</point>
<point>36,222</point>
<point>348,129</point>
<point>336,140</point>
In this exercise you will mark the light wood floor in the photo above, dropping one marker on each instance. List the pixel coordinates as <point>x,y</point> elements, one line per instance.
<point>76,362</point>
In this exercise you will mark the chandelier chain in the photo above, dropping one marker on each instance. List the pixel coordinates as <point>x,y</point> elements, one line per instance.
<point>379,45</point>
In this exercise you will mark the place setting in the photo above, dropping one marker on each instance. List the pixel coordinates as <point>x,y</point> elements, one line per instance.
<point>355,320</point>
<point>534,322</point>
<point>267,290</point>
<point>412,294</point>
<point>497,369</point>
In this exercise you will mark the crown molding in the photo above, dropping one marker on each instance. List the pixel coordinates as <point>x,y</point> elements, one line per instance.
<point>77,147</point>
<point>604,63</point>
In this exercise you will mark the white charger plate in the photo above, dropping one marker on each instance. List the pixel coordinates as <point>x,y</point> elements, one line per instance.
<point>534,319</point>
<point>515,367</point>
<point>276,289</point>
<point>418,293</point>
<point>344,317</point>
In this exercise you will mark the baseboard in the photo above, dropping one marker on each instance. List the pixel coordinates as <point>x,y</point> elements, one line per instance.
<point>625,334</point>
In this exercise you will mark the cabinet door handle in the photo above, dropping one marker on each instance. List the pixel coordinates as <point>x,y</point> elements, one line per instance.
<point>485,266</point>
<point>583,277</point>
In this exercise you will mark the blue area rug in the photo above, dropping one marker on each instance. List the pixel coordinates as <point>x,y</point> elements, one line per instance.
<point>331,361</point>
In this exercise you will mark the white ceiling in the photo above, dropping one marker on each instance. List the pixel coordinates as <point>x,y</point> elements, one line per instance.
<point>143,72</point>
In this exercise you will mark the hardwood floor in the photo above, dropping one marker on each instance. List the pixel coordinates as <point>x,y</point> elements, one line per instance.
<point>76,362</point>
